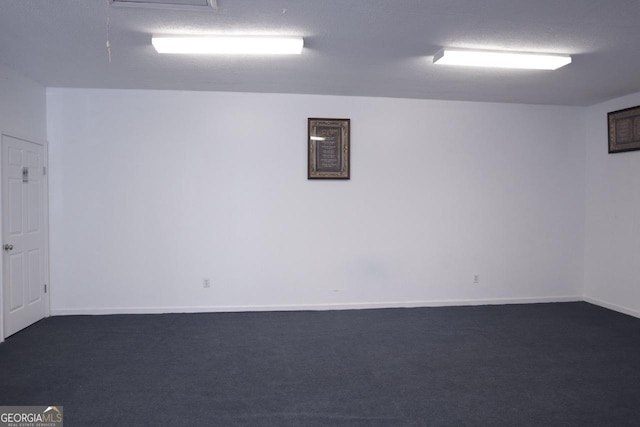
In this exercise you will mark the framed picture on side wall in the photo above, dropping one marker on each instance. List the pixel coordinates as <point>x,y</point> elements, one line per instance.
<point>328,149</point>
<point>624,130</point>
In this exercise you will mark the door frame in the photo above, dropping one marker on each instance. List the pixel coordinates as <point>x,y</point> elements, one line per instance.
<point>45,225</point>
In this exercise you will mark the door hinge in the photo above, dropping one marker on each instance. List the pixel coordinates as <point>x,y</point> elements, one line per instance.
<point>44,170</point>
<point>45,288</point>
<point>25,174</point>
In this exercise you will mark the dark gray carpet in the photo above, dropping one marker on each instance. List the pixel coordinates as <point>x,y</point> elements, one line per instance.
<point>567,364</point>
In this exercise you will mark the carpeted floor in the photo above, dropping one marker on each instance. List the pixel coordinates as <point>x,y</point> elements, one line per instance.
<point>564,364</point>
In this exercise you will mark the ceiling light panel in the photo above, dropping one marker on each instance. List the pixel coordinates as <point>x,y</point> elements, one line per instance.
<point>232,45</point>
<point>495,59</point>
<point>192,5</point>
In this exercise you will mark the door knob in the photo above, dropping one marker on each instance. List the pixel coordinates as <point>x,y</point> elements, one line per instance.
<point>8,247</point>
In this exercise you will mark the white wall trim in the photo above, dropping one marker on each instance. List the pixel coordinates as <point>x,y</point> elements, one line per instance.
<point>614,307</point>
<point>309,307</point>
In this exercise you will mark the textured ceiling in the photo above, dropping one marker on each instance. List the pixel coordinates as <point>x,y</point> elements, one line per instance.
<point>352,47</point>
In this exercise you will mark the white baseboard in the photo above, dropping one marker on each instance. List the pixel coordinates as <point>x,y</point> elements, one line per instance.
<point>308,307</point>
<point>614,307</point>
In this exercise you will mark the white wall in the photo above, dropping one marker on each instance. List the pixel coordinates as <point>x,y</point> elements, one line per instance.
<point>612,239</point>
<point>22,106</point>
<point>153,191</point>
<point>23,115</point>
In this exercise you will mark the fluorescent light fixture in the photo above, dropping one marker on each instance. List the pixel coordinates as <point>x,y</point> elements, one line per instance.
<point>188,5</point>
<point>229,45</point>
<point>317,138</point>
<point>486,58</point>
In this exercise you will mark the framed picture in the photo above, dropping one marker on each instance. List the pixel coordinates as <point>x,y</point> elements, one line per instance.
<point>329,149</point>
<point>624,130</point>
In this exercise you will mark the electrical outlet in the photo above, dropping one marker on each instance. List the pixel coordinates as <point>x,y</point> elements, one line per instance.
<point>476,278</point>
<point>206,283</point>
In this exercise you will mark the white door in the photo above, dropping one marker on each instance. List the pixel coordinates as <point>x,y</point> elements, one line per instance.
<point>23,233</point>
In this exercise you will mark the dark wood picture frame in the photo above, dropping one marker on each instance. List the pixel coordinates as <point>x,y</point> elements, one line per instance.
<point>329,148</point>
<point>624,130</point>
